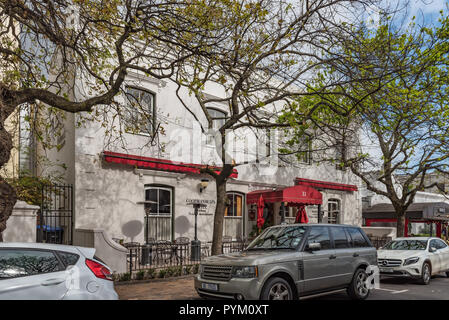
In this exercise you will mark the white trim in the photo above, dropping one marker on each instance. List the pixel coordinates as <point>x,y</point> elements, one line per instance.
<point>156,173</point>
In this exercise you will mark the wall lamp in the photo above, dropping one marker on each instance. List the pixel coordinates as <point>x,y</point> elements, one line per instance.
<point>203,185</point>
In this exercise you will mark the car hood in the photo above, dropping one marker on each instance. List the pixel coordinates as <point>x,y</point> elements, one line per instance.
<point>251,257</point>
<point>399,254</point>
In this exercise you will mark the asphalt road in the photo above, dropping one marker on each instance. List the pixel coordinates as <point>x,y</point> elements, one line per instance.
<point>390,289</point>
<point>403,289</point>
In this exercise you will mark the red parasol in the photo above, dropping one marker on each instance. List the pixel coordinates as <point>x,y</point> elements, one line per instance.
<point>301,217</point>
<point>260,206</point>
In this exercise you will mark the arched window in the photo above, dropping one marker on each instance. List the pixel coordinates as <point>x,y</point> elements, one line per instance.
<point>333,211</point>
<point>159,209</point>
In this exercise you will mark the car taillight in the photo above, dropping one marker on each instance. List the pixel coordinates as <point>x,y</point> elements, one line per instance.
<point>99,270</point>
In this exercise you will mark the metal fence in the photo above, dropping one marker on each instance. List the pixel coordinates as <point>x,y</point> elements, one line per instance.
<point>167,254</point>
<point>55,217</point>
<point>379,241</point>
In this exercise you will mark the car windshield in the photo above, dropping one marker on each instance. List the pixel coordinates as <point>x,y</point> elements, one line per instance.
<point>406,245</point>
<point>287,237</point>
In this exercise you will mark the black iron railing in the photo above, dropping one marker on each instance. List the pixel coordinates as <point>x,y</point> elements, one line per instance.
<point>379,241</point>
<point>166,254</point>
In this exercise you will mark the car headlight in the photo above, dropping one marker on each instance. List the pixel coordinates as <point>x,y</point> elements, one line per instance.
<point>411,261</point>
<point>245,272</point>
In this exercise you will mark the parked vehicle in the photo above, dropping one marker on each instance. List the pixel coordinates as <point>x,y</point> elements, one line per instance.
<point>38,271</point>
<point>292,261</point>
<point>415,257</point>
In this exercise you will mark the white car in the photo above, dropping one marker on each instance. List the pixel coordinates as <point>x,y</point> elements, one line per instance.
<point>39,271</point>
<point>415,257</point>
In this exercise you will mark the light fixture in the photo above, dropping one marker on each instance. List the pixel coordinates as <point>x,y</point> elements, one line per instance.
<point>203,185</point>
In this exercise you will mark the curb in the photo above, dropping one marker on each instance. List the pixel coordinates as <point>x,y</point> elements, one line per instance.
<point>122,283</point>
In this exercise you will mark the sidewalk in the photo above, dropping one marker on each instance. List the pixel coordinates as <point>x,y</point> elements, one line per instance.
<point>159,289</point>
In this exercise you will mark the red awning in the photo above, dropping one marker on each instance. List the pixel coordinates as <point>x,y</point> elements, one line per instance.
<point>293,195</point>
<point>325,185</point>
<point>157,164</point>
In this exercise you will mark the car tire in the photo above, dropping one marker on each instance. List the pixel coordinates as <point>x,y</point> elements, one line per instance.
<point>426,273</point>
<point>277,289</point>
<point>447,274</point>
<point>357,289</point>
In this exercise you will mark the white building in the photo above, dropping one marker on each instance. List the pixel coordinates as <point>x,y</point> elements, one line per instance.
<point>116,177</point>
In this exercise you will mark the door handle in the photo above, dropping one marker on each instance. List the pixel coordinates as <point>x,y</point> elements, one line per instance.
<point>332,256</point>
<point>52,282</point>
<point>355,255</point>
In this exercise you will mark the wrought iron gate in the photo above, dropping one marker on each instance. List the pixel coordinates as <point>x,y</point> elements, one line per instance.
<point>55,219</point>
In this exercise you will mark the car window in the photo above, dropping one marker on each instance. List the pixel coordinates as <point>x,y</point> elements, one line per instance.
<point>24,262</point>
<point>441,244</point>
<point>320,235</point>
<point>357,238</point>
<point>288,237</point>
<point>340,239</point>
<point>406,245</point>
<point>69,259</point>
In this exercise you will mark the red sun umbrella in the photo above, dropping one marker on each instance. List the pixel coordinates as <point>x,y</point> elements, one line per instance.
<point>301,216</point>
<point>260,206</point>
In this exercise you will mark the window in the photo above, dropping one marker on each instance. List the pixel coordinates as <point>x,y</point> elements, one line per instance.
<point>333,211</point>
<point>340,238</point>
<point>233,223</point>
<point>235,205</point>
<point>140,111</point>
<point>218,120</point>
<point>22,262</point>
<point>441,244</point>
<point>69,259</point>
<point>357,238</point>
<point>320,235</point>
<point>159,209</point>
<point>438,244</point>
<point>340,155</point>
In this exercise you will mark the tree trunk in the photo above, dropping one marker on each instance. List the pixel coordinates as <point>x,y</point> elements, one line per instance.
<point>400,225</point>
<point>8,195</point>
<point>219,216</point>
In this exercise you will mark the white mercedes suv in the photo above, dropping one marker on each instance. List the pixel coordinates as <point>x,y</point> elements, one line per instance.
<point>417,258</point>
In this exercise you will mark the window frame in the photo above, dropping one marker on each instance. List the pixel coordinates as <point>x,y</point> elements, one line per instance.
<point>236,193</point>
<point>156,216</point>
<point>209,140</point>
<point>153,122</point>
<point>334,201</point>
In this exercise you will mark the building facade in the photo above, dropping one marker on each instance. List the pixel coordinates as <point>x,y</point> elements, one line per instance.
<point>141,185</point>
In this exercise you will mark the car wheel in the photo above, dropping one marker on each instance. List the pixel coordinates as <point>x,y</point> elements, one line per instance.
<point>447,274</point>
<point>277,289</point>
<point>358,289</point>
<point>426,273</point>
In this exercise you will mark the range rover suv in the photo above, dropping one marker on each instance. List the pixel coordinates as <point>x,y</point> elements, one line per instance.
<point>292,261</point>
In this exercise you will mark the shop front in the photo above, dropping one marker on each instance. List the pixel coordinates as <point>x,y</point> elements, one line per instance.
<point>282,205</point>
<point>429,219</point>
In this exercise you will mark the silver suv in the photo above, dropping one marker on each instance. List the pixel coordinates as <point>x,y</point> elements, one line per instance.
<point>292,261</point>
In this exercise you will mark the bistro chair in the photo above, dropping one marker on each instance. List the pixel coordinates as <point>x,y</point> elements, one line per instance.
<point>182,249</point>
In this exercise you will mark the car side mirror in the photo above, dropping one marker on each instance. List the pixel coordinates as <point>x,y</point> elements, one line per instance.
<point>316,246</point>
<point>432,249</point>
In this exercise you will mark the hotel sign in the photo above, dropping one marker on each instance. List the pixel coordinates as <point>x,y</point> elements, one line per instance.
<point>202,210</point>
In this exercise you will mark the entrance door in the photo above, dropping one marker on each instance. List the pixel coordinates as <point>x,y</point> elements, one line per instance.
<point>158,226</point>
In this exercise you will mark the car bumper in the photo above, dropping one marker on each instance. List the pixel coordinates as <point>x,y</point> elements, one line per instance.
<point>248,289</point>
<point>412,271</point>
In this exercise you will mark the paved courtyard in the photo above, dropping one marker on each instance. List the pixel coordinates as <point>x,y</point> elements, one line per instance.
<point>390,289</point>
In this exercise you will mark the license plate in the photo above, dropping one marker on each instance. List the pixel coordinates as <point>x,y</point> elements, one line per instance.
<point>386,270</point>
<point>210,286</point>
